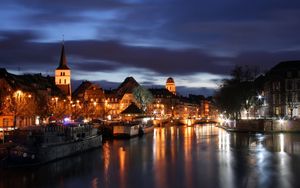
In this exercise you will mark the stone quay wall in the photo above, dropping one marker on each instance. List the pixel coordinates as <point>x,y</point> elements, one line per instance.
<point>262,125</point>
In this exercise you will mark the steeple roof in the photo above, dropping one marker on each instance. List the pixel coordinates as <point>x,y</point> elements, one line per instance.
<point>63,60</point>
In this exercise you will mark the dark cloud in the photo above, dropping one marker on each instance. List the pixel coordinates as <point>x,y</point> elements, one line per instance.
<point>20,49</point>
<point>170,37</point>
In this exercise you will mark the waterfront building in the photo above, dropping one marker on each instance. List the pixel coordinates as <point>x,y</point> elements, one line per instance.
<point>89,100</point>
<point>26,98</point>
<point>63,75</point>
<point>164,104</point>
<point>119,99</point>
<point>282,90</point>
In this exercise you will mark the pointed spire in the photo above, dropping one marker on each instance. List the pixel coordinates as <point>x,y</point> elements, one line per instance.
<point>63,59</point>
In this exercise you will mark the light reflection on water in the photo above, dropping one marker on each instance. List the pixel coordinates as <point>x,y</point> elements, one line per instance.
<point>198,156</point>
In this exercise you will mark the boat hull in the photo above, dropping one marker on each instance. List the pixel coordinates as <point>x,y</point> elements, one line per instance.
<point>148,129</point>
<point>126,131</point>
<point>46,153</point>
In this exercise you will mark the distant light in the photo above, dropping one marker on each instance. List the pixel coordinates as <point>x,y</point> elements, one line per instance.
<point>146,119</point>
<point>37,120</point>
<point>259,96</point>
<point>281,121</point>
<point>67,119</point>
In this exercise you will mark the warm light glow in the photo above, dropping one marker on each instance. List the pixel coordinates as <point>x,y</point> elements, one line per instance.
<point>281,121</point>
<point>281,138</point>
<point>37,120</point>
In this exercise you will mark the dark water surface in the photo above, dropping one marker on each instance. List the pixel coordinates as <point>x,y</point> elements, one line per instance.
<point>200,156</point>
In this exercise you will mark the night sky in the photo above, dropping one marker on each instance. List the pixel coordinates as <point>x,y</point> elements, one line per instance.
<point>197,42</point>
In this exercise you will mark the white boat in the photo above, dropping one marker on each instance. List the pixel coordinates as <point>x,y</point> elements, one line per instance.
<point>127,129</point>
<point>136,127</point>
<point>147,125</point>
<point>147,128</point>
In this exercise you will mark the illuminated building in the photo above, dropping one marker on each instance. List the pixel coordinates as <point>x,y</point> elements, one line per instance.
<point>282,90</point>
<point>170,85</point>
<point>63,74</point>
<point>25,97</point>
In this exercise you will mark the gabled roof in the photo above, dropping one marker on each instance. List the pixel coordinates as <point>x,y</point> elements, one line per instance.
<point>286,65</point>
<point>127,86</point>
<point>81,88</point>
<point>63,60</point>
<point>132,109</point>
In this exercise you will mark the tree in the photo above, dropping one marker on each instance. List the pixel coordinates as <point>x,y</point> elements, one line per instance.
<point>59,108</point>
<point>142,96</point>
<point>237,93</point>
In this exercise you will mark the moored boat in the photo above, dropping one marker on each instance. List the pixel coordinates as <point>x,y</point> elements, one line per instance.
<point>126,129</point>
<point>37,145</point>
<point>147,125</point>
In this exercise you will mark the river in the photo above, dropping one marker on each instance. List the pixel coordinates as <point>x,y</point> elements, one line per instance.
<point>200,156</point>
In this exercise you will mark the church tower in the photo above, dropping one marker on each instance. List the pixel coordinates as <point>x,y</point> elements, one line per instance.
<point>63,74</point>
<point>170,85</point>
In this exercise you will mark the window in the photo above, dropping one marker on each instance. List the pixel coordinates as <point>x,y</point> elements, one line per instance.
<point>65,81</point>
<point>61,73</point>
<point>276,86</point>
<point>298,84</point>
<point>289,74</point>
<point>60,81</point>
<point>289,85</point>
<point>277,110</point>
<point>5,122</point>
<point>290,97</point>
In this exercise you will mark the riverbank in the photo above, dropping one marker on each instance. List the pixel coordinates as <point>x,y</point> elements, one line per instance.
<point>262,126</point>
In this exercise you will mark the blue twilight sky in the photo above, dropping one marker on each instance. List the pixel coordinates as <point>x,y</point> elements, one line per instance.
<point>197,42</point>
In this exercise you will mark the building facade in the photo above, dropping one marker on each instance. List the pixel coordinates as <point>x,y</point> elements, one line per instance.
<point>282,90</point>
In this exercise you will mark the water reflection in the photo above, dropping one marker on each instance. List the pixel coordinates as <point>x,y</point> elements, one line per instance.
<point>198,156</point>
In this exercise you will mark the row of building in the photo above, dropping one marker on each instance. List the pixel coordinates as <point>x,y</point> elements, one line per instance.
<point>34,99</point>
<point>280,91</point>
